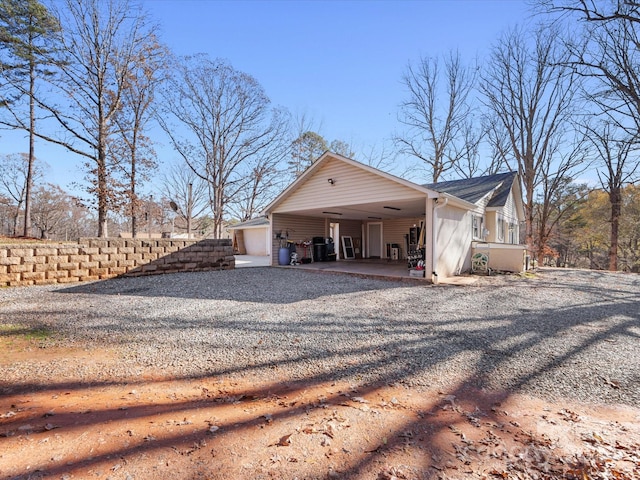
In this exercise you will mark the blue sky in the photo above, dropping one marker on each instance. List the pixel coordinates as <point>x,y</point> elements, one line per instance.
<point>339,62</point>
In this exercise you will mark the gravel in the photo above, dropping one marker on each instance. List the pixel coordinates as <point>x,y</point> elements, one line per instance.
<point>557,334</point>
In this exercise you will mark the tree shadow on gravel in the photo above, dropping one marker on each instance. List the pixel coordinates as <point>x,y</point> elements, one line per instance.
<point>456,420</point>
<point>263,285</point>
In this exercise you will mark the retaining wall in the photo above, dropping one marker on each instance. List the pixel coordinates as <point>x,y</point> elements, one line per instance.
<point>99,258</point>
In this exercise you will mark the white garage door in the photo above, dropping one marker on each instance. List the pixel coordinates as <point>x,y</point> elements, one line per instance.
<point>255,241</point>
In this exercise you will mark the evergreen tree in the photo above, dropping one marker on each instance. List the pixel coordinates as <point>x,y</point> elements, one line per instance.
<point>26,33</point>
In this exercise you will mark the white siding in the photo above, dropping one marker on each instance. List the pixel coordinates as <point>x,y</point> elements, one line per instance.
<point>453,241</point>
<point>509,210</point>
<point>352,186</point>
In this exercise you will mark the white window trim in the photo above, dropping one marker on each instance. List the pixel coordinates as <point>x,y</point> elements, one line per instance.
<point>477,226</point>
<point>513,233</point>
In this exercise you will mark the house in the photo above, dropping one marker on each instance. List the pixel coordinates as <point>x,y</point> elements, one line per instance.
<point>447,227</point>
<point>251,237</point>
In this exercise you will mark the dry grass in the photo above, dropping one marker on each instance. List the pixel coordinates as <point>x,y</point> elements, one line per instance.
<point>25,240</point>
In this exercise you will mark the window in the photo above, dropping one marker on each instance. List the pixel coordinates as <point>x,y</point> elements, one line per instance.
<point>476,227</point>
<point>500,229</point>
<point>513,233</point>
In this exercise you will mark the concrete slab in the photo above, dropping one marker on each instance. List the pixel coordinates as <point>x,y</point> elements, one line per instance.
<point>248,261</point>
<point>383,269</point>
<point>460,281</point>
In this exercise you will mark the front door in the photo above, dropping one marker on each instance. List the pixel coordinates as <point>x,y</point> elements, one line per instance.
<point>374,240</point>
<point>334,233</point>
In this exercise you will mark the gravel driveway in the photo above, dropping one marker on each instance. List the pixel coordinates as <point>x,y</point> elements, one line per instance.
<point>563,333</point>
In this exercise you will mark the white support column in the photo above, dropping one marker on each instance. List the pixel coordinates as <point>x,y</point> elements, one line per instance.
<point>428,260</point>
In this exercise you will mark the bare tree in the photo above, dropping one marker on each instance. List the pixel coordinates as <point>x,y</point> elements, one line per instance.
<point>499,142</point>
<point>557,194</point>
<point>437,116</point>
<point>187,195</point>
<point>468,162</point>
<point>381,157</point>
<point>531,91</point>
<point>227,122</point>
<point>27,32</point>
<point>596,11</point>
<point>607,55</point>
<point>616,168</point>
<point>51,208</point>
<point>265,181</point>
<point>101,41</point>
<point>79,222</point>
<point>14,172</point>
<point>131,148</point>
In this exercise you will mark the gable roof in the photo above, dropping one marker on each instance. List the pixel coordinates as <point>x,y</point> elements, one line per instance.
<point>326,157</point>
<point>253,223</point>
<point>474,189</point>
<point>501,195</point>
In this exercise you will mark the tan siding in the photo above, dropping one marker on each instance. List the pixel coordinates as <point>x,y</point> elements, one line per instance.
<point>506,258</point>
<point>491,222</point>
<point>300,229</point>
<point>352,186</point>
<point>353,229</point>
<point>394,231</point>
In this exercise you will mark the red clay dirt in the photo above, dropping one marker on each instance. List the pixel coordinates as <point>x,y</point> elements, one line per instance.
<point>249,428</point>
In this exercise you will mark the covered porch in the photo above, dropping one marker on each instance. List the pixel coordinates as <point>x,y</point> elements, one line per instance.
<point>380,217</point>
<point>380,269</point>
<point>393,270</point>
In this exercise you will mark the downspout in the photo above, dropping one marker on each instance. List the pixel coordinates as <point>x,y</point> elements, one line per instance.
<point>434,258</point>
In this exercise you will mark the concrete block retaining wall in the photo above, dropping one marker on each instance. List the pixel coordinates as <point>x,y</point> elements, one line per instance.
<point>100,258</point>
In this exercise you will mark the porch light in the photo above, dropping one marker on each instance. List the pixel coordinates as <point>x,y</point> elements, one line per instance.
<point>331,181</point>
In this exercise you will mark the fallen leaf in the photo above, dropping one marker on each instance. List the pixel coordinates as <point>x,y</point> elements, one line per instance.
<point>329,431</point>
<point>496,473</point>
<point>284,441</point>
<point>569,415</point>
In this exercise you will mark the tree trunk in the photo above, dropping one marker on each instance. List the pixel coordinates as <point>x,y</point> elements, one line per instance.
<point>615,197</point>
<point>528,214</point>
<point>32,158</point>
<point>102,184</point>
<point>14,227</point>
<point>133,199</point>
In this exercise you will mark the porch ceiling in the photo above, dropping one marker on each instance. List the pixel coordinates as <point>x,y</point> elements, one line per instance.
<point>370,211</point>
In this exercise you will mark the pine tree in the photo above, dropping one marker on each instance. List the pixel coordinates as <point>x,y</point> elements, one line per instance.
<point>27,29</point>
